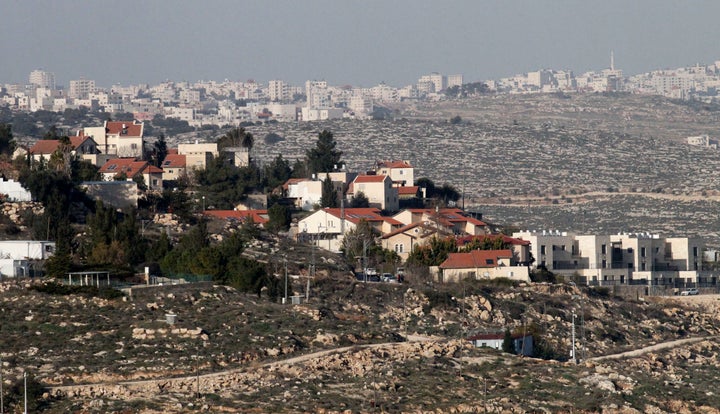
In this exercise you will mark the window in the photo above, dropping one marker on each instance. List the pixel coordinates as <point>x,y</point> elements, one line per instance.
<point>542,249</point>
<point>642,266</point>
<point>630,250</point>
<point>630,265</point>
<point>603,249</point>
<point>562,247</point>
<point>695,251</point>
<point>642,252</point>
<point>133,146</point>
<point>489,261</point>
<point>399,248</point>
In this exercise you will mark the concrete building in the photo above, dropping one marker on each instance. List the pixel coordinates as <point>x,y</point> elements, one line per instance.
<point>622,259</point>
<point>198,154</point>
<point>42,79</point>
<point>326,228</point>
<point>378,189</point>
<point>400,171</point>
<point>81,89</point>
<point>278,91</point>
<point>481,264</point>
<point>26,249</point>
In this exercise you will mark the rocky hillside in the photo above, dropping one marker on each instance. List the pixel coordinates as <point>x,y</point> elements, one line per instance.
<point>355,347</point>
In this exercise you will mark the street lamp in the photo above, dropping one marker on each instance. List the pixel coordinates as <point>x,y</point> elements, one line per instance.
<point>203,198</point>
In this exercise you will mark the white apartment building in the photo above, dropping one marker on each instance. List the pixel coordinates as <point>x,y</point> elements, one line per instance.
<point>454,80</point>
<point>278,91</point>
<point>634,258</point>
<point>42,79</point>
<point>81,89</point>
<point>438,81</point>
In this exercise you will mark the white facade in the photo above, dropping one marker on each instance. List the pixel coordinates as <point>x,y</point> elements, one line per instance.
<point>26,249</point>
<point>14,268</point>
<point>81,89</point>
<point>633,258</point>
<point>42,79</point>
<point>14,191</point>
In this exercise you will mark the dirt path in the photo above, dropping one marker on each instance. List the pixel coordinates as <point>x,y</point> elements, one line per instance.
<point>656,347</point>
<point>213,375</point>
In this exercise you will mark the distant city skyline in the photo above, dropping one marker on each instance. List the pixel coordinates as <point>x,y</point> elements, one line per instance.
<point>357,43</point>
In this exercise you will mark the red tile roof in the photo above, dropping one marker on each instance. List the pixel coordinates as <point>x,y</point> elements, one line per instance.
<point>134,128</point>
<point>45,146</point>
<point>151,169</point>
<point>370,178</point>
<point>48,146</point>
<point>174,161</point>
<point>403,229</point>
<point>475,259</point>
<point>292,181</point>
<point>393,164</point>
<point>258,216</point>
<point>354,215</point>
<point>129,166</point>
<point>408,191</point>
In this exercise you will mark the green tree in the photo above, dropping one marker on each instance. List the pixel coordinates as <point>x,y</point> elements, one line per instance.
<point>278,218</point>
<point>324,156</point>
<point>359,200</point>
<point>508,345</point>
<point>159,151</point>
<point>433,253</point>
<point>277,172</point>
<point>359,240</point>
<point>329,196</point>
<point>486,243</point>
<point>52,133</point>
<point>7,144</point>
<point>224,184</point>
<point>236,137</point>
<point>300,170</point>
<point>83,170</point>
<point>61,158</point>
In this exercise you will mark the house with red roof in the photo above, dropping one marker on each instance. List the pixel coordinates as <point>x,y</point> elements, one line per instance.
<point>378,189</point>
<point>454,220</point>
<point>120,138</point>
<point>403,239</point>
<point>174,166</point>
<point>400,172</point>
<point>82,147</point>
<point>132,170</point>
<point>481,264</point>
<point>327,227</point>
<point>257,216</point>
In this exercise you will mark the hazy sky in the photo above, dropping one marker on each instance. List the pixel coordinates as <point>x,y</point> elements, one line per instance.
<point>360,43</point>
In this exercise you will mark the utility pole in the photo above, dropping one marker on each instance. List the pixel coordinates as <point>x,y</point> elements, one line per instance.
<point>286,282</point>
<point>573,338</point>
<point>25,391</point>
<point>2,403</point>
<point>364,261</point>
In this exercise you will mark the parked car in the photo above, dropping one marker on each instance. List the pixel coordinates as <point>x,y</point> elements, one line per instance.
<point>688,292</point>
<point>389,278</point>
<point>369,275</point>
